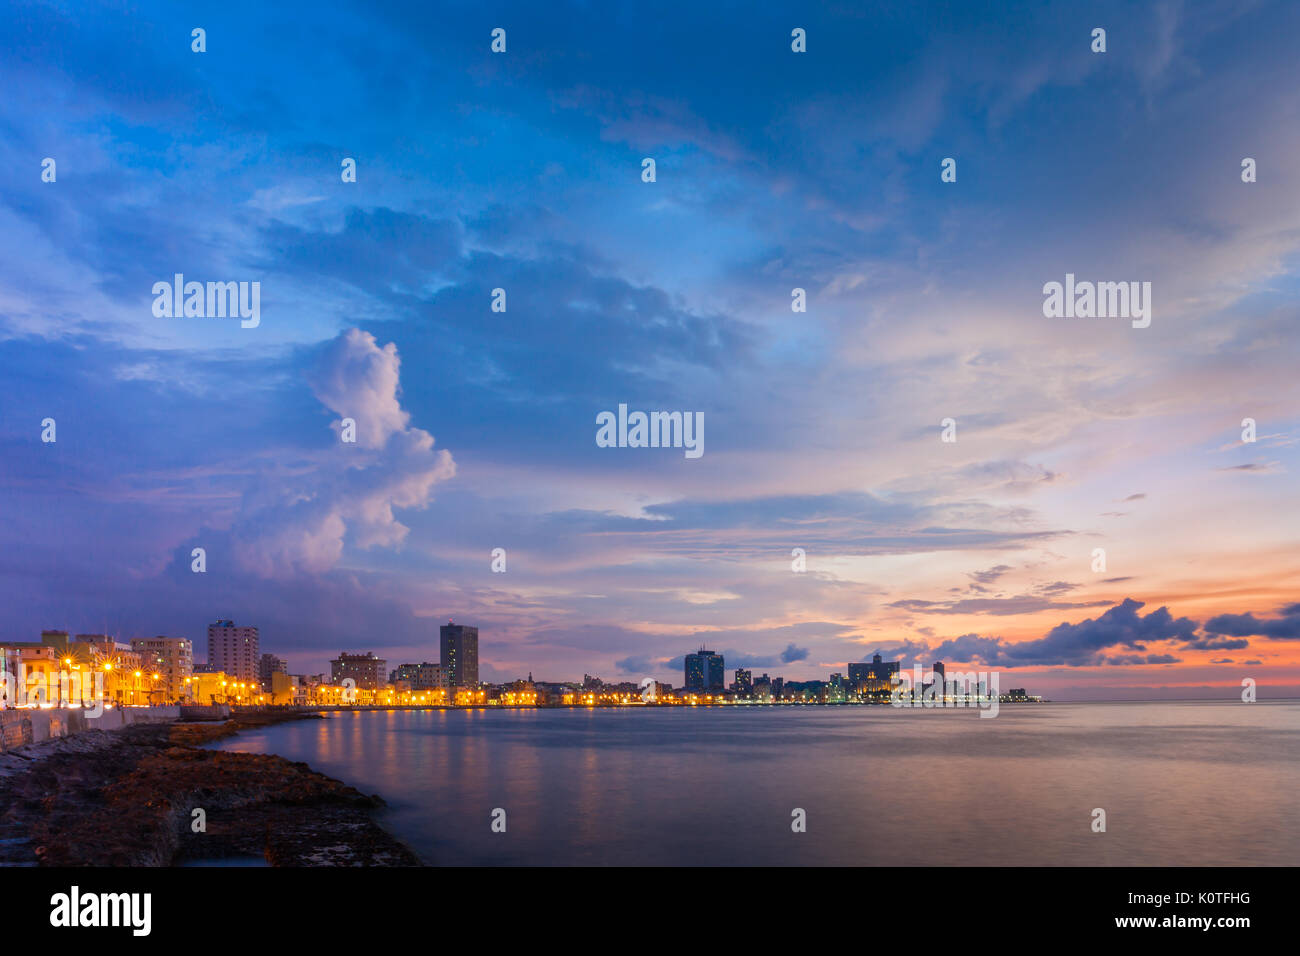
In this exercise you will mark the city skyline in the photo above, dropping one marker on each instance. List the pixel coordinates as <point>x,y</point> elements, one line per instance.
<point>94,670</point>
<point>827,518</point>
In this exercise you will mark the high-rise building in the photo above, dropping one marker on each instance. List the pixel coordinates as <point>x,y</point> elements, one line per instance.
<point>705,671</point>
<point>744,682</point>
<point>267,665</point>
<point>366,669</point>
<point>233,650</point>
<point>459,648</point>
<point>940,682</point>
<point>171,658</point>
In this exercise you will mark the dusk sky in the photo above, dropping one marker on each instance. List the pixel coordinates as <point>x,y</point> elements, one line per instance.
<point>775,170</point>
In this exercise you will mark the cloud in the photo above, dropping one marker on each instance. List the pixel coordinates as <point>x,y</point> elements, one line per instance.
<point>990,575</point>
<point>1079,644</point>
<point>297,522</point>
<point>1057,587</point>
<point>1216,644</point>
<point>1001,607</point>
<point>792,654</point>
<point>1136,659</point>
<point>1256,468</point>
<point>359,380</point>
<point>637,665</point>
<point>1285,627</point>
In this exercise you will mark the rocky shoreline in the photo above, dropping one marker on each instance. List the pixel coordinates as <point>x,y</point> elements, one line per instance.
<point>127,798</point>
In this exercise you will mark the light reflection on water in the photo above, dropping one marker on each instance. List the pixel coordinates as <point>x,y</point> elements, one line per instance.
<point>1193,783</point>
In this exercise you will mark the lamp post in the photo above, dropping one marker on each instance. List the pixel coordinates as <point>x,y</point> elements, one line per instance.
<point>64,700</point>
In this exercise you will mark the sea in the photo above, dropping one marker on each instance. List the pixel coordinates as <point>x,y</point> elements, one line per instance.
<point>1194,783</point>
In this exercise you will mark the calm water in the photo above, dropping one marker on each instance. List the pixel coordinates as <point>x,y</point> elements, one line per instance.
<point>1181,783</point>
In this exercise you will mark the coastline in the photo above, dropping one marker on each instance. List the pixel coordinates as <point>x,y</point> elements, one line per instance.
<point>128,798</point>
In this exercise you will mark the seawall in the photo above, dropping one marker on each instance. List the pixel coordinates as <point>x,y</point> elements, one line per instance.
<point>32,725</point>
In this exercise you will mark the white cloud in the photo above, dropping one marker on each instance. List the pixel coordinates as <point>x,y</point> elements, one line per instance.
<point>301,522</point>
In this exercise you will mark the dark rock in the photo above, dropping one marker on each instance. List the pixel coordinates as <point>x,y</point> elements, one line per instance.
<point>126,799</point>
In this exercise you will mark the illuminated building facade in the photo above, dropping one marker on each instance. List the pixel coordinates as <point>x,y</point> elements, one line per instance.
<point>171,658</point>
<point>422,676</point>
<point>368,671</point>
<point>874,680</point>
<point>744,682</point>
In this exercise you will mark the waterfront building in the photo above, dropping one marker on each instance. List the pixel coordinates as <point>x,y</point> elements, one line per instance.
<point>520,693</point>
<point>459,649</point>
<point>836,693</point>
<point>57,639</point>
<point>873,681</point>
<point>286,689</point>
<point>233,650</point>
<point>59,670</point>
<point>31,675</point>
<point>422,676</point>
<point>744,682</point>
<point>267,665</point>
<point>127,678</point>
<point>172,658</point>
<point>213,687</point>
<point>367,670</point>
<point>705,671</point>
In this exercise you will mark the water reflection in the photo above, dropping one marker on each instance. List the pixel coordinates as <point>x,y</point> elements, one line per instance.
<point>1182,783</point>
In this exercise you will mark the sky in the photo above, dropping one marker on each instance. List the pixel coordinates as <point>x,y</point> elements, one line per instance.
<point>775,170</point>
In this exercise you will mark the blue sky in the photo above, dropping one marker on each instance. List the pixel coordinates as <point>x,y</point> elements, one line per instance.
<point>775,170</point>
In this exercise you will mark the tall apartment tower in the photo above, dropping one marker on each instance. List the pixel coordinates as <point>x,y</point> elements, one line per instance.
<point>705,671</point>
<point>233,650</point>
<point>459,648</point>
